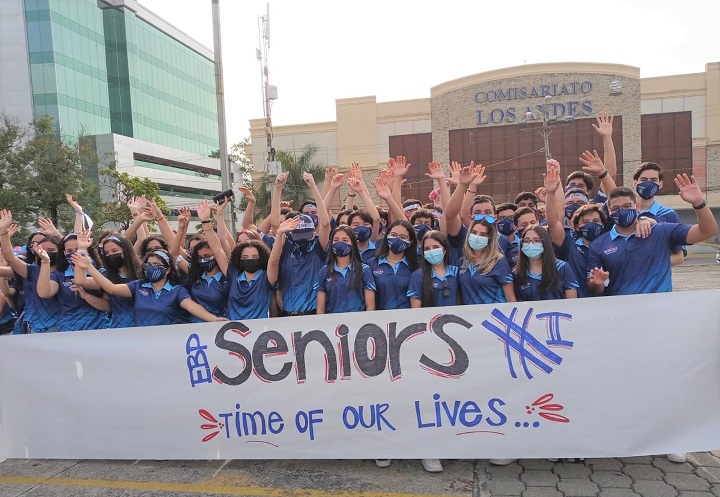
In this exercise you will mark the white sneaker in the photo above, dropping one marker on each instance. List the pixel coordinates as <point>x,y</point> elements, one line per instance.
<point>501,462</point>
<point>432,465</point>
<point>677,457</point>
<point>382,463</point>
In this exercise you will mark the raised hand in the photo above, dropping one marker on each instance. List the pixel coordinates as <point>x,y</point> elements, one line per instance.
<point>248,193</point>
<point>330,173</point>
<point>604,124</point>
<point>288,225</point>
<point>81,260</point>
<point>337,180</point>
<point>436,171</point>
<point>75,206</point>
<point>541,194</point>
<point>84,240</point>
<point>155,210</point>
<point>355,171</point>
<point>40,252</point>
<point>308,178</point>
<point>136,204</point>
<point>593,163</point>
<point>13,229</point>
<point>467,174</point>
<point>480,171</point>
<point>689,190</point>
<point>382,188</point>
<point>355,184</point>
<point>204,211</point>
<point>400,166</point>
<point>455,169</point>
<point>281,179</point>
<point>5,220</point>
<point>551,178</point>
<point>286,204</point>
<point>219,211</point>
<point>184,217</point>
<point>47,226</point>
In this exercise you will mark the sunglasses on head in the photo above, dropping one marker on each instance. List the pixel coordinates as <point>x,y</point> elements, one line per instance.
<point>487,217</point>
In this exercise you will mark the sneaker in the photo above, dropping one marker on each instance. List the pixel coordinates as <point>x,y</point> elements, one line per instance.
<point>677,457</point>
<point>432,465</point>
<point>501,462</point>
<point>382,463</point>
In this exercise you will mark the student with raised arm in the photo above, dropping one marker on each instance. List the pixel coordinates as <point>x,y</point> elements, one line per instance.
<point>41,315</point>
<point>382,187</point>
<point>158,295</point>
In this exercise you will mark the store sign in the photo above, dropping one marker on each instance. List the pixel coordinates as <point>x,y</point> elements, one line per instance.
<point>510,106</point>
<point>601,377</point>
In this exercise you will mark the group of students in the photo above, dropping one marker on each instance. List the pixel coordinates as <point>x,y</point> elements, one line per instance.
<point>555,243</point>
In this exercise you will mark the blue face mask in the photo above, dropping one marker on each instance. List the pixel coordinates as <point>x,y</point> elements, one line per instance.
<point>434,256</point>
<point>208,264</point>
<point>397,245</point>
<point>506,227</point>
<point>532,251</point>
<point>624,217</point>
<point>68,257</point>
<point>341,249</point>
<point>153,273</point>
<point>420,230</point>
<point>647,189</point>
<point>570,210</point>
<point>362,233</point>
<point>590,231</point>
<point>477,242</point>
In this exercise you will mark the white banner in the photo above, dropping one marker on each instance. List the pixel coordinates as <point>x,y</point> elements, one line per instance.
<point>600,377</point>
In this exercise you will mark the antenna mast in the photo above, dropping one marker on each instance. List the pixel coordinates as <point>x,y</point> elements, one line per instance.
<point>269,92</point>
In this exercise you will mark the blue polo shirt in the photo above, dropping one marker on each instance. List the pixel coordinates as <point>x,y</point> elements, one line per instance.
<point>415,289</point>
<point>267,240</point>
<point>341,295</point>
<point>153,309</point>
<point>42,314</point>
<point>637,265</point>
<point>368,253</point>
<point>122,309</point>
<point>391,282</point>
<point>211,292</point>
<point>663,214</point>
<point>575,253</point>
<point>248,299</point>
<point>510,249</point>
<point>478,288</point>
<point>299,273</point>
<point>75,313</point>
<point>530,291</point>
<point>457,244</point>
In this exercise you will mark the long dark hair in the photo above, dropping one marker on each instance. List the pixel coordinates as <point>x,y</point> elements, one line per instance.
<point>131,262</point>
<point>62,264</point>
<point>410,252</point>
<point>236,254</point>
<point>30,256</point>
<point>173,276</point>
<point>355,260</point>
<point>549,280</point>
<point>146,242</point>
<point>428,296</point>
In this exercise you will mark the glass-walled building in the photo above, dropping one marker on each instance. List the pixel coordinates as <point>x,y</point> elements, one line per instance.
<point>115,70</point>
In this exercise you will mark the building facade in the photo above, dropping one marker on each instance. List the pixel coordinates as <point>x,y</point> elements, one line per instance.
<point>496,118</point>
<point>112,69</point>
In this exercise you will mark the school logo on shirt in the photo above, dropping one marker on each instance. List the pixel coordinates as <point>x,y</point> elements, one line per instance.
<point>463,271</point>
<point>525,286</point>
<point>378,271</point>
<point>610,250</point>
<point>144,292</point>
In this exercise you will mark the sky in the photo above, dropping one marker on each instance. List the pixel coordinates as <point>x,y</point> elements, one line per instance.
<point>321,51</point>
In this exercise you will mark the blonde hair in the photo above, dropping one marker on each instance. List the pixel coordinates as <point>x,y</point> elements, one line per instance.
<point>487,257</point>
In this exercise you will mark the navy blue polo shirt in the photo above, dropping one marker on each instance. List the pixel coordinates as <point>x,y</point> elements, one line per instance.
<point>7,313</point>
<point>415,289</point>
<point>530,291</point>
<point>299,273</point>
<point>340,294</point>
<point>478,288</point>
<point>40,313</point>
<point>457,244</point>
<point>575,253</point>
<point>75,313</point>
<point>637,265</point>
<point>163,307</point>
<point>267,240</point>
<point>122,309</point>
<point>368,253</point>
<point>211,292</point>
<point>248,299</point>
<point>391,282</point>
<point>510,249</point>
<point>663,214</point>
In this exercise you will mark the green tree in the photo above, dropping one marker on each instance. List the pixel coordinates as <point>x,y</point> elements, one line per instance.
<point>295,189</point>
<point>13,171</point>
<point>114,212</point>
<point>238,155</point>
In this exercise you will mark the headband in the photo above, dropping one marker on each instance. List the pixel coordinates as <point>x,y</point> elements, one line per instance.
<point>577,196</point>
<point>111,238</point>
<point>412,207</point>
<point>162,255</point>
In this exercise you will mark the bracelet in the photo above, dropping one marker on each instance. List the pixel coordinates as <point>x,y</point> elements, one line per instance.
<point>44,261</point>
<point>160,219</point>
<point>78,212</point>
<point>474,192</point>
<point>206,221</point>
<point>701,206</point>
<point>353,195</point>
<point>603,174</point>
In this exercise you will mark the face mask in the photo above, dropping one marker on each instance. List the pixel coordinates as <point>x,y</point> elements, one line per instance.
<point>477,242</point>
<point>114,261</point>
<point>250,265</point>
<point>570,210</point>
<point>533,251</point>
<point>29,249</point>
<point>590,231</point>
<point>68,257</point>
<point>341,249</point>
<point>153,273</point>
<point>647,189</point>
<point>362,233</point>
<point>53,257</point>
<point>434,256</point>
<point>506,227</point>
<point>397,245</point>
<point>208,265</point>
<point>420,230</point>
<point>314,218</point>
<point>624,217</point>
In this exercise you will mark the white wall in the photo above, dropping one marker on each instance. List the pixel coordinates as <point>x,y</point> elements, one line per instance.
<point>15,89</point>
